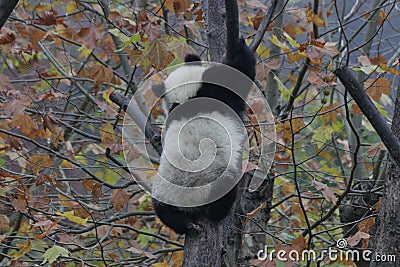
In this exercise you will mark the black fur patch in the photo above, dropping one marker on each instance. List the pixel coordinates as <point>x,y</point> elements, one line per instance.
<point>192,58</point>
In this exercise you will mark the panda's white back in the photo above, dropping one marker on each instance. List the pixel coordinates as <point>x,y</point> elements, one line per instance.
<point>182,163</point>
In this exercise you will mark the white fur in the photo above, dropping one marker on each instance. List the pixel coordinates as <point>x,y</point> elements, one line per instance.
<point>220,156</point>
<point>183,83</point>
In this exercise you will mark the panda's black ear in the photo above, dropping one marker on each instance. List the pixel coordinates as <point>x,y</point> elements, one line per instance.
<point>158,89</point>
<point>192,58</point>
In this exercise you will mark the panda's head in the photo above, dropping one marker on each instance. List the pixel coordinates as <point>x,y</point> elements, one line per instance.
<point>182,83</point>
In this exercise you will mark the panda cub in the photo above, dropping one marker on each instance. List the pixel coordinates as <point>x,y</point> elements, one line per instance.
<point>203,135</point>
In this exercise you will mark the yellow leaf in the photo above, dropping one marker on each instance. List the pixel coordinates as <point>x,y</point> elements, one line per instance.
<point>24,248</point>
<point>278,43</point>
<point>70,216</point>
<point>263,51</point>
<point>84,51</point>
<point>106,95</point>
<point>317,21</point>
<point>160,264</point>
<point>177,257</point>
<point>295,57</point>
<point>107,134</point>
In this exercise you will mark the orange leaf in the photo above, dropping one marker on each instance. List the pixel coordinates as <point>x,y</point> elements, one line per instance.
<point>257,20</point>
<point>57,136</point>
<point>51,227</point>
<point>157,53</point>
<point>168,4</point>
<point>19,203</point>
<point>377,87</point>
<point>90,36</point>
<point>98,73</point>
<point>107,134</point>
<point>180,6</point>
<point>299,244</point>
<point>7,36</point>
<point>253,213</point>
<point>4,223</point>
<point>378,205</point>
<point>356,108</point>
<point>46,18</point>
<point>49,122</point>
<point>24,122</point>
<point>5,80</point>
<point>42,178</point>
<point>94,187</point>
<point>40,161</point>
<point>119,198</point>
<point>366,224</point>
<point>15,143</point>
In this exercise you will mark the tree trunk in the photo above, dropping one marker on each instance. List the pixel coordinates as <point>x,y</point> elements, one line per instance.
<point>387,238</point>
<point>205,249</point>
<point>6,8</point>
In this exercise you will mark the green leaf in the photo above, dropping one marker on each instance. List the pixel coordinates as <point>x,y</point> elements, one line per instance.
<point>145,239</point>
<point>381,110</point>
<point>70,216</point>
<point>322,134</point>
<point>291,41</point>
<point>281,264</point>
<point>119,34</point>
<point>135,38</point>
<point>370,69</point>
<point>286,93</point>
<point>53,253</point>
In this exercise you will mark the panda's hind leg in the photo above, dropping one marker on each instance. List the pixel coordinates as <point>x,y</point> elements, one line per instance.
<point>176,219</point>
<point>219,209</point>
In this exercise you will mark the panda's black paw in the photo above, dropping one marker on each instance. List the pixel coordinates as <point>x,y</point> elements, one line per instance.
<point>195,228</point>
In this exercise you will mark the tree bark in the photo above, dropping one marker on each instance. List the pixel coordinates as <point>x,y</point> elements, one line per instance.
<point>387,238</point>
<point>6,8</point>
<point>205,249</point>
<point>215,15</point>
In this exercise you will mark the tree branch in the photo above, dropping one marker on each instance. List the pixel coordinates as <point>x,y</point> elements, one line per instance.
<point>263,26</point>
<point>140,119</point>
<point>370,111</point>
